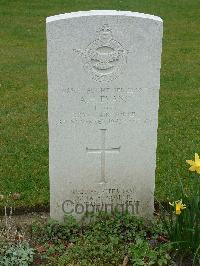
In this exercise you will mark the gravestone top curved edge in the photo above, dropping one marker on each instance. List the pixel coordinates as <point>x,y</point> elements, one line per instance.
<point>102,13</point>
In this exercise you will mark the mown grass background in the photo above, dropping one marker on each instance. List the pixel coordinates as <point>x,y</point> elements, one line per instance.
<point>23,92</point>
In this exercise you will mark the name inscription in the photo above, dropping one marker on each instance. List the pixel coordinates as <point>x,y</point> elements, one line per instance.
<point>103,105</point>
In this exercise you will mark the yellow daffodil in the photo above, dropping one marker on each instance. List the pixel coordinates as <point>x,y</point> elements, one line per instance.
<point>178,205</point>
<point>195,165</point>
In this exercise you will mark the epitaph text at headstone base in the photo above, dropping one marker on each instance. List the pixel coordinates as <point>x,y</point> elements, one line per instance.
<point>103,82</point>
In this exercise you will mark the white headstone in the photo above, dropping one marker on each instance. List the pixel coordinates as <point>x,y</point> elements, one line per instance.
<point>103,84</point>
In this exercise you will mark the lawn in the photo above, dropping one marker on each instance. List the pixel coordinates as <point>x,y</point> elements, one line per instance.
<point>23,92</point>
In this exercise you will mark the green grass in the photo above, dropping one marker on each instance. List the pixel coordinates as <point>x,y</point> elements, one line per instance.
<point>23,91</point>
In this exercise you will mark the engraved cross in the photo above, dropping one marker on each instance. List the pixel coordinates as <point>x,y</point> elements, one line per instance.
<point>103,152</point>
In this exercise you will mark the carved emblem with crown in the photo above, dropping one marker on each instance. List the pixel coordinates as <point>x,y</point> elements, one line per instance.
<point>104,59</point>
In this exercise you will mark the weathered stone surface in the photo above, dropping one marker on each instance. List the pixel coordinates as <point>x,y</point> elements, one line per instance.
<point>103,83</point>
